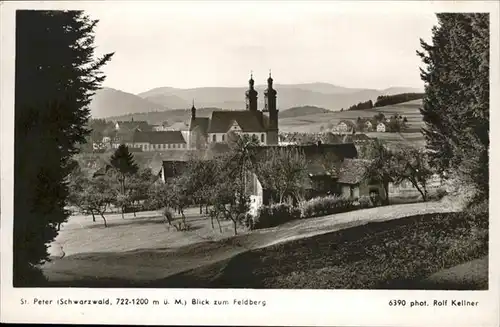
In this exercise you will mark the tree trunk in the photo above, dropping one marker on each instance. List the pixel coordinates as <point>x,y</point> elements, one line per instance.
<point>123,214</point>
<point>58,227</point>
<point>201,209</point>
<point>423,192</point>
<point>235,229</point>
<point>103,218</point>
<point>93,215</point>
<point>386,189</point>
<point>183,218</point>
<point>206,209</point>
<point>218,223</point>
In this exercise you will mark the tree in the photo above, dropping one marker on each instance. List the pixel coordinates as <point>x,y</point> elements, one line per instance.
<point>200,179</point>
<point>385,100</point>
<point>95,197</point>
<point>124,165</point>
<point>139,185</point>
<point>397,124</point>
<point>228,197</point>
<point>382,168</point>
<point>412,165</point>
<point>456,102</point>
<point>380,117</point>
<point>282,171</point>
<point>240,160</point>
<point>52,91</point>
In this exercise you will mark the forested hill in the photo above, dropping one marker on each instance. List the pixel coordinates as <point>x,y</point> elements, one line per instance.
<point>387,100</point>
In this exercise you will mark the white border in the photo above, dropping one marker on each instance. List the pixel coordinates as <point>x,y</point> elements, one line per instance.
<point>284,307</point>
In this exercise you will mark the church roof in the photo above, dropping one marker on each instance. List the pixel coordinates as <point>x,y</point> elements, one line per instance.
<point>200,123</point>
<point>163,137</point>
<point>249,121</point>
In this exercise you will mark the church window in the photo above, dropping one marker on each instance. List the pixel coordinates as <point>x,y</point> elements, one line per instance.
<point>262,138</point>
<point>214,138</point>
<point>223,137</point>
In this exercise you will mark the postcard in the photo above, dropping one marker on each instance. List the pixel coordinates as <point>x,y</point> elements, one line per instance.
<point>267,163</point>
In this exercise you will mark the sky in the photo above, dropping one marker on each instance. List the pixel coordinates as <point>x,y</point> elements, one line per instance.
<point>188,45</point>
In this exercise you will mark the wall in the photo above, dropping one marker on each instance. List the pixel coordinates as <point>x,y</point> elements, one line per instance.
<point>219,137</point>
<point>256,197</point>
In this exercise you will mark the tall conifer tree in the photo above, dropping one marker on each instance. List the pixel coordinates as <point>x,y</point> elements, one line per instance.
<point>56,76</point>
<point>456,103</point>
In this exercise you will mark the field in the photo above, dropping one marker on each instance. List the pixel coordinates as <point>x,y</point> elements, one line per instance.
<point>313,123</point>
<point>140,250</point>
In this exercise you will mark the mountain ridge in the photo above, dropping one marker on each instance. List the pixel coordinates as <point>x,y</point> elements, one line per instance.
<point>109,102</point>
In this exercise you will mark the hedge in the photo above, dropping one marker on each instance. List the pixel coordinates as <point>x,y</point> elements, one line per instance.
<point>273,215</point>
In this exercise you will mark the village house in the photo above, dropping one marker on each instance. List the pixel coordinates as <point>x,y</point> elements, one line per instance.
<point>263,125</point>
<point>368,126</point>
<point>160,127</point>
<point>345,126</point>
<point>132,125</point>
<point>332,169</point>
<point>382,127</point>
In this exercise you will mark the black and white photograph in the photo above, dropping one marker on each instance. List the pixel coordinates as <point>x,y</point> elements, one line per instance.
<point>254,146</point>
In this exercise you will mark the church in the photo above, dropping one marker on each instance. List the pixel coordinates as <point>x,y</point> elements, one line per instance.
<point>261,124</point>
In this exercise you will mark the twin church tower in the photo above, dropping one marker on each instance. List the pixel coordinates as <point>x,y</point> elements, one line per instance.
<point>270,95</point>
<point>261,124</point>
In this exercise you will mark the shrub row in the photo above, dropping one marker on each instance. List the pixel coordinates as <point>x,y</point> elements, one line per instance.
<point>277,214</point>
<point>273,215</point>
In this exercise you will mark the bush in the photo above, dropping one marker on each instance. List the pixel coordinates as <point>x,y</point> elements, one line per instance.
<point>477,214</point>
<point>327,205</point>
<point>273,215</point>
<point>438,194</point>
<point>364,202</point>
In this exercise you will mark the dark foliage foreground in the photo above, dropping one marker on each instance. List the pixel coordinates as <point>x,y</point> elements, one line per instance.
<point>56,77</point>
<point>397,254</point>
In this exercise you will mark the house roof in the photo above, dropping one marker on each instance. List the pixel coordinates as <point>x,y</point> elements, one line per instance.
<point>173,168</point>
<point>249,121</point>
<point>132,125</point>
<point>341,150</point>
<point>179,126</point>
<point>352,171</point>
<point>178,155</point>
<point>347,122</point>
<point>161,137</point>
<point>125,136</point>
<point>200,123</point>
<point>321,159</point>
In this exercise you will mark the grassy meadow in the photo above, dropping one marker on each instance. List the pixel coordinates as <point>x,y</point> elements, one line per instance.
<point>313,123</point>
<point>144,249</point>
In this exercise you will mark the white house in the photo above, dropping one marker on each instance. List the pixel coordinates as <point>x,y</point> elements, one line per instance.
<point>381,127</point>
<point>344,126</point>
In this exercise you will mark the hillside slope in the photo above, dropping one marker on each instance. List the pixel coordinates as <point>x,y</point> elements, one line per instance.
<point>313,122</point>
<point>302,111</point>
<point>323,95</point>
<point>110,102</point>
